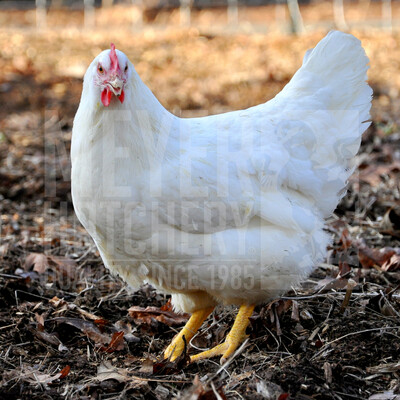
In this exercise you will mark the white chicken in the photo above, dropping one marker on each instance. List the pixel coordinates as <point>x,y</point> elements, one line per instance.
<point>225,209</point>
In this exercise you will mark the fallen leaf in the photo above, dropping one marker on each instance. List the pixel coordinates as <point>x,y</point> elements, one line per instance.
<point>280,306</point>
<point>199,391</point>
<point>106,371</point>
<point>127,328</point>
<point>117,343</point>
<point>214,393</point>
<point>269,390</point>
<point>344,269</point>
<point>145,315</point>
<point>40,263</point>
<point>56,302</point>
<point>36,262</point>
<point>327,284</point>
<point>147,366</point>
<point>88,328</point>
<point>370,257</point>
<point>35,377</point>
<point>381,304</point>
<point>50,338</point>
<point>391,221</point>
<point>373,173</point>
<point>40,320</point>
<point>392,264</point>
<point>389,395</point>
<point>167,306</point>
<point>64,265</point>
<point>65,371</point>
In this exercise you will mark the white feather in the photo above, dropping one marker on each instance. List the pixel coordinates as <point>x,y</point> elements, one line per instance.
<point>227,208</point>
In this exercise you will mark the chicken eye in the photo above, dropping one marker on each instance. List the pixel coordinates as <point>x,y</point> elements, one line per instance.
<point>100,69</point>
<point>126,68</point>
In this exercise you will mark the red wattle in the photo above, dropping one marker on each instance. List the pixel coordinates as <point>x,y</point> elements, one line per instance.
<point>106,97</point>
<point>121,97</point>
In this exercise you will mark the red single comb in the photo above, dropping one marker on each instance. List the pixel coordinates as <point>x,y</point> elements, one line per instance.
<point>114,59</point>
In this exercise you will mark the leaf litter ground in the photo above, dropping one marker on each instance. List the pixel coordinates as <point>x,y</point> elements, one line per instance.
<point>69,329</point>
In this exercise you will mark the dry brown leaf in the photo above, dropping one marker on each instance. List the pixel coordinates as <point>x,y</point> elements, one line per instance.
<point>64,265</point>
<point>147,366</point>
<point>167,306</point>
<point>327,284</point>
<point>392,264</point>
<point>390,222</point>
<point>36,262</point>
<point>35,377</point>
<point>270,390</point>
<point>50,338</point>
<point>145,315</point>
<point>370,257</point>
<point>106,371</point>
<point>56,302</point>
<point>88,328</point>
<point>389,395</point>
<point>280,305</point>
<point>117,343</point>
<point>128,329</point>
<point>65,371</point>
<point>374,172</point>
<point>40,320</point>
<point>40,263</point>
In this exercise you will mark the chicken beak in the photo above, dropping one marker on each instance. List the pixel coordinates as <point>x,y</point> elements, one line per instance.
<point>116,86</point>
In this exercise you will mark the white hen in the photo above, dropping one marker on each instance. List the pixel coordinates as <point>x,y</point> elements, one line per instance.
<point>222,209</point>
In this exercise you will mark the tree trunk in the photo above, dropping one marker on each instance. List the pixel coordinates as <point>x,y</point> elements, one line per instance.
<point>41,14</point>
<point>233,12</point>
<point>338,12</point>
<point>296,21</point>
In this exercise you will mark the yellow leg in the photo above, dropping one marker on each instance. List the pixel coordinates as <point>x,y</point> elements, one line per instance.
<point>234,338</point>
<point>177,345</point>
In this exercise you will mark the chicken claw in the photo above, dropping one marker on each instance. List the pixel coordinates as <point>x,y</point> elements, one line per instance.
<point>234,338</point>
<point>176,347</point>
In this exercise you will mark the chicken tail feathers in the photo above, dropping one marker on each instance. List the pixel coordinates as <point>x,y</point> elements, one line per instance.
<point>328,103</point>
<point>341,63</point>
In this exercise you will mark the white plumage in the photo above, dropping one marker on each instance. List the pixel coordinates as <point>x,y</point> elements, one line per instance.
<point>221,209</point>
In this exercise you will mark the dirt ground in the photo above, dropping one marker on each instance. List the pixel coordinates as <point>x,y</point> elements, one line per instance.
<point>68,329</point>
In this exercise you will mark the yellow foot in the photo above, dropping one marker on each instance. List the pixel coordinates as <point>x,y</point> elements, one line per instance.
<point>177,346</point>
<point>234,338</point>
